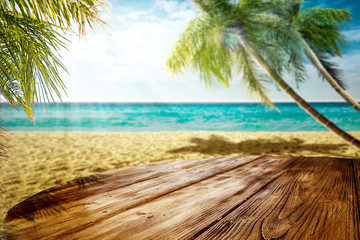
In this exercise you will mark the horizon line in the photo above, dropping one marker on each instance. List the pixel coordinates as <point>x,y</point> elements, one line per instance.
<point>180,102</point>
<point>185,102</point>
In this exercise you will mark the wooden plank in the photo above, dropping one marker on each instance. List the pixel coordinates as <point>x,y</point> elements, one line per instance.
<point>356,165</point>
<point>180,214</point>
<point>313,200</point>
<point>108,182</point>
<point>115,191</point>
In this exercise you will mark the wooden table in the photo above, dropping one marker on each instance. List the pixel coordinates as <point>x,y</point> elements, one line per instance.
<point>254,197</point>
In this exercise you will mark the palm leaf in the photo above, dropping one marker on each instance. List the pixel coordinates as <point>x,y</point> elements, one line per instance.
<point>60,12</point>
<point>333,69</point>
<point>200,46</point>
<point>320,27</point>
<point>252,79</point>
<point>210,50</point>
<point>27,57</point>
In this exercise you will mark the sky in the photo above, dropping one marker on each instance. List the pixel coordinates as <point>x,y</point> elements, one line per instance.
<point>126,62</point>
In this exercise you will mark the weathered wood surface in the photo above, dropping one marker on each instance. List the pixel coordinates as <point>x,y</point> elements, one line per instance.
<point>257,197</point>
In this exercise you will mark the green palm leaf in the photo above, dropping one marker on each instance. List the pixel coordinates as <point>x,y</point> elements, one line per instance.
<point>253,79</point>
<point>209,48</point>
<point>321,29</point>
<point>59,12</point>
<point>30,45</point>
<point>29,60</point>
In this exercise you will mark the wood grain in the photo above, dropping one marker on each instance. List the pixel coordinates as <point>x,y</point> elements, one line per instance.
<point>356,166</point>
<point>254,197</point>
<point>182,213</point>
<point>114,192</point>
<point>62,197</point>
<point>312,200</point>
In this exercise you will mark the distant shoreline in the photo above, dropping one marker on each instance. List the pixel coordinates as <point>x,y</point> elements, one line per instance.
<point>155,117</point>
<point>275,102</point>
<point>178,131</point>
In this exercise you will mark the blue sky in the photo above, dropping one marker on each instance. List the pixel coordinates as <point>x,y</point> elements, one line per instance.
<point>126,62</point>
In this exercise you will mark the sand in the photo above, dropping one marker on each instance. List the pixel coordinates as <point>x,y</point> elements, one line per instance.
<point>43,159</point>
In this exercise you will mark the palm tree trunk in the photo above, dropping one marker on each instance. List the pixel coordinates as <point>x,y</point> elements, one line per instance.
<point>314,59</point>
<point>299,100</point>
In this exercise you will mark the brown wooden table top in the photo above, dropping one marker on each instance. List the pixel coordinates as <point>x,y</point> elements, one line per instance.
<point>253,197</point>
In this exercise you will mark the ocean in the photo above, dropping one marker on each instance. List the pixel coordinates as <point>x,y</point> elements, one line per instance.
<point>137,117</point>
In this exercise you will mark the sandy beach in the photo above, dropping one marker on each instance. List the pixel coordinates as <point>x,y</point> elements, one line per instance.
<point>40,160</point>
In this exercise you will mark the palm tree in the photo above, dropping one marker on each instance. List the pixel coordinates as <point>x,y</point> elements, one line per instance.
<point>318,32</point>
<point>30,40</point>
<point>227,39</point>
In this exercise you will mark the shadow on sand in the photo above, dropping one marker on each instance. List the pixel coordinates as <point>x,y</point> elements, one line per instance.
<point>218,145</point>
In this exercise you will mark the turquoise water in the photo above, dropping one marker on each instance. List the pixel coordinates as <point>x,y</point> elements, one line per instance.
<point>178,117</point>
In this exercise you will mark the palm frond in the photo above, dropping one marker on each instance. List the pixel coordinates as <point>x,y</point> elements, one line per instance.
<point>209,48</point>
<point>201,6</point>
<point>321,29</point>
<point>63,13</point>
<point>29,60</point>
<point>213,61</point>
<point>252,78</point>
<point>326,15</point>
<point>188,43</point>
<point>255,4</point>
<point>279,45</point>
<point>333,69</point>
<point>296,68</point>
<point>212,7</point>
<point>201,48</point>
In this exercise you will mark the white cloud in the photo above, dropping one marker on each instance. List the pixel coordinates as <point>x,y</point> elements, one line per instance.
<point>135,51</point>
<point>176,10</point>
<point>169,6</point>
<point>353,35</point>
<point>128,63</point>
<point>130,53</point>
<point>350,64</point>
